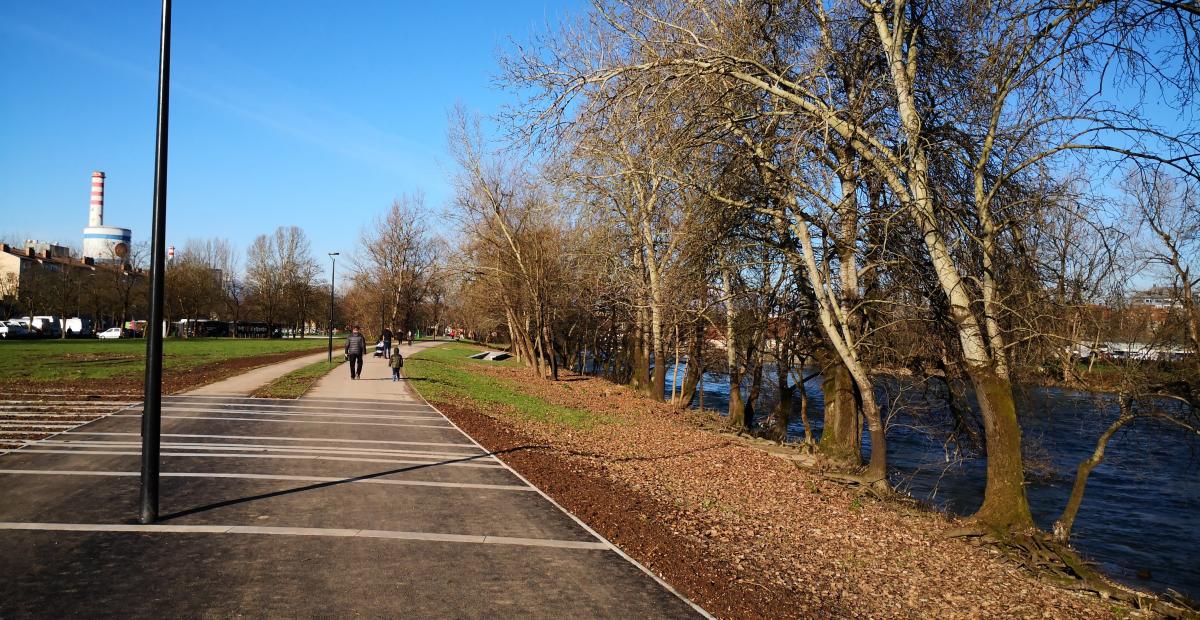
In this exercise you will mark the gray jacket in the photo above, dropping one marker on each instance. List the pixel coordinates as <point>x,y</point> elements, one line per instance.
<point>356,344</point>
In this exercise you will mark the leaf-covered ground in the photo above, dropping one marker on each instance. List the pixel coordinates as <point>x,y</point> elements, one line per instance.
<point>740,531</point>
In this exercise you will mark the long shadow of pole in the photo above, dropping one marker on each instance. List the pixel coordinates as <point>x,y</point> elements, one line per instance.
<point>331,483</point>
<point>152,405</point>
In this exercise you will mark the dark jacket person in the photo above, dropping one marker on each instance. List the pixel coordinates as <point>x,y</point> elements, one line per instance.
<point>356,345</point>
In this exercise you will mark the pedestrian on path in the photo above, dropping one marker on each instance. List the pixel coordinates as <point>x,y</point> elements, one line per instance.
<point>356,345</point>
<point>396,362</point>
<point>387,342</point>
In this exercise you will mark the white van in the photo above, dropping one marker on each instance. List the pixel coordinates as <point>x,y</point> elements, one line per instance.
<point>46,326</point>
<point>77,327</point>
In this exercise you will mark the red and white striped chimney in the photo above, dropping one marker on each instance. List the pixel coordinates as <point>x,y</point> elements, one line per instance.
<point>96,210</point>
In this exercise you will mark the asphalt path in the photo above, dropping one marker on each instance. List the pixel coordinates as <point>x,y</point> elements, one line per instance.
<point>358,500</point>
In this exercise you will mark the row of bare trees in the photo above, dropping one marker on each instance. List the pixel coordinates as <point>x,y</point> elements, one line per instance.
<point>961,191</point>
<point>281,284</point>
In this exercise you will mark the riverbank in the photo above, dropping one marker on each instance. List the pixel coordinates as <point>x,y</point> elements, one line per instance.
<point>740,531</point>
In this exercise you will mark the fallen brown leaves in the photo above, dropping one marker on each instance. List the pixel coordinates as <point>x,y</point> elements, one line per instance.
<point>748,534</point>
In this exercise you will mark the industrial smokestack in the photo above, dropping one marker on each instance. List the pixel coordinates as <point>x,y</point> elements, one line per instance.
<point>104,243</point>
<point>96,210</point>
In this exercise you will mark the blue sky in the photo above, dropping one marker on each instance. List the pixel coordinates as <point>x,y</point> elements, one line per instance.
<point>313,114</point>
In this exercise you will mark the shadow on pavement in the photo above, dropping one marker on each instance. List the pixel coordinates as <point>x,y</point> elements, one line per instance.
<point>331,483</point>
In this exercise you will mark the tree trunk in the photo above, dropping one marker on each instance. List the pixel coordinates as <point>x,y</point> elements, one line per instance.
<point>756,377</point>
<point>782,412</point>
<point>658,384</point>
<point>808,436</point>
<point>694,371</point>
<point>737,408</point>
<point>841,437</point>
<point>639,361</point>
<point>1005,506</point>
<point>675,367</point>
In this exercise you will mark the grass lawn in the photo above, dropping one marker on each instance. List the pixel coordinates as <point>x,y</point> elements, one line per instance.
<point>446,373</point>
<point>296,383</point>
<point>50,360</point>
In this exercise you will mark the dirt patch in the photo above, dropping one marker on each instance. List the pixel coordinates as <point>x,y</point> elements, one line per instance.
<point>746,534</point>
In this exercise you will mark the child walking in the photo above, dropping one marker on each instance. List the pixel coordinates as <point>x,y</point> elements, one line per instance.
<point>396,362</point>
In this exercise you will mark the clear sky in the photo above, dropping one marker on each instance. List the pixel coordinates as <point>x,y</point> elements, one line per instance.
<point>315,114</point>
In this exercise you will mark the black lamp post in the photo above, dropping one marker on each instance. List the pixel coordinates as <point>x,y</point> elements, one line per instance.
<point>152,403</point>
<point>332,275</point>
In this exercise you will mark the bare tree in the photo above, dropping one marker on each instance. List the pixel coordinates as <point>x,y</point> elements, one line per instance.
<point>399,260</point>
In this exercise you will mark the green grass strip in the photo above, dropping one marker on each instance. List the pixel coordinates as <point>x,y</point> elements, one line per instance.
<point>444,373</point>
<point>296,383</point>
<point>54,360</point>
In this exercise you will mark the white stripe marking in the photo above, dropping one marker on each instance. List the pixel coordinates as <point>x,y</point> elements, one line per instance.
<point>305,531</point>
<point>304,401</point>
<point>393,408</point>
<point>33,450</point>
<point>190,417</point>
<point>348,451</point>
<point>269,437</point>
<point>68,402</point>
<point>415,483</point>
<point>50,415</point>
<point>314,414</point>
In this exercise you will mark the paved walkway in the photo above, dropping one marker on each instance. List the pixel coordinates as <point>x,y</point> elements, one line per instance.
<point>375,383</point>
<point>356,500</point>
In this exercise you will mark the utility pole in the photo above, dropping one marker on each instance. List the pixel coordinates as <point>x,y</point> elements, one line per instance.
<point>332,277</point>
<point>152,403</point>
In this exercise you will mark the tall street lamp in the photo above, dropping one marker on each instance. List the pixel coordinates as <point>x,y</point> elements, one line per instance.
<point>152,403</point>
<point>332,275</point>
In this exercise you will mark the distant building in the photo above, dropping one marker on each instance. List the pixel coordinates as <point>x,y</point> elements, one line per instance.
<point>1156,297</point>
<point>18,265</point>
<point>45,247</point>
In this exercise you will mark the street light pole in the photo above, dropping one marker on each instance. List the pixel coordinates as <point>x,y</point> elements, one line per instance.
<point>152,402</point>
<point>332,277</point>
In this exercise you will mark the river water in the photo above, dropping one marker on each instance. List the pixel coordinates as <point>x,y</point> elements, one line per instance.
<point>1138,520</point>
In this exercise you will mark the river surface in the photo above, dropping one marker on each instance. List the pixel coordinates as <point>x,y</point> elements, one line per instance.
<point>1138,520</point>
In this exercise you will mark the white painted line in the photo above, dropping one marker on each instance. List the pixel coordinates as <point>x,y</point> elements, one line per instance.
<point>305,531</point>
<point>51,415</point>
<point>54,409</point>
<point>298,402</point>
<point>170,404</point>
<point>192,417</point>
<point>414,483</point>
<point>94,403</point>
<point>301,414</point>
<point>348,451</point>
<point>37,450</point>
<point>58,431</point>
<point>269,437</point>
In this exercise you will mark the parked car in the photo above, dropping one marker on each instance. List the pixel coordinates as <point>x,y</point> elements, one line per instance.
<point>13,330</point>
<point>113,332</point>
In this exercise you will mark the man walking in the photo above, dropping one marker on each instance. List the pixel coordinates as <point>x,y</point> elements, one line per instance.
<point>356,345</point>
